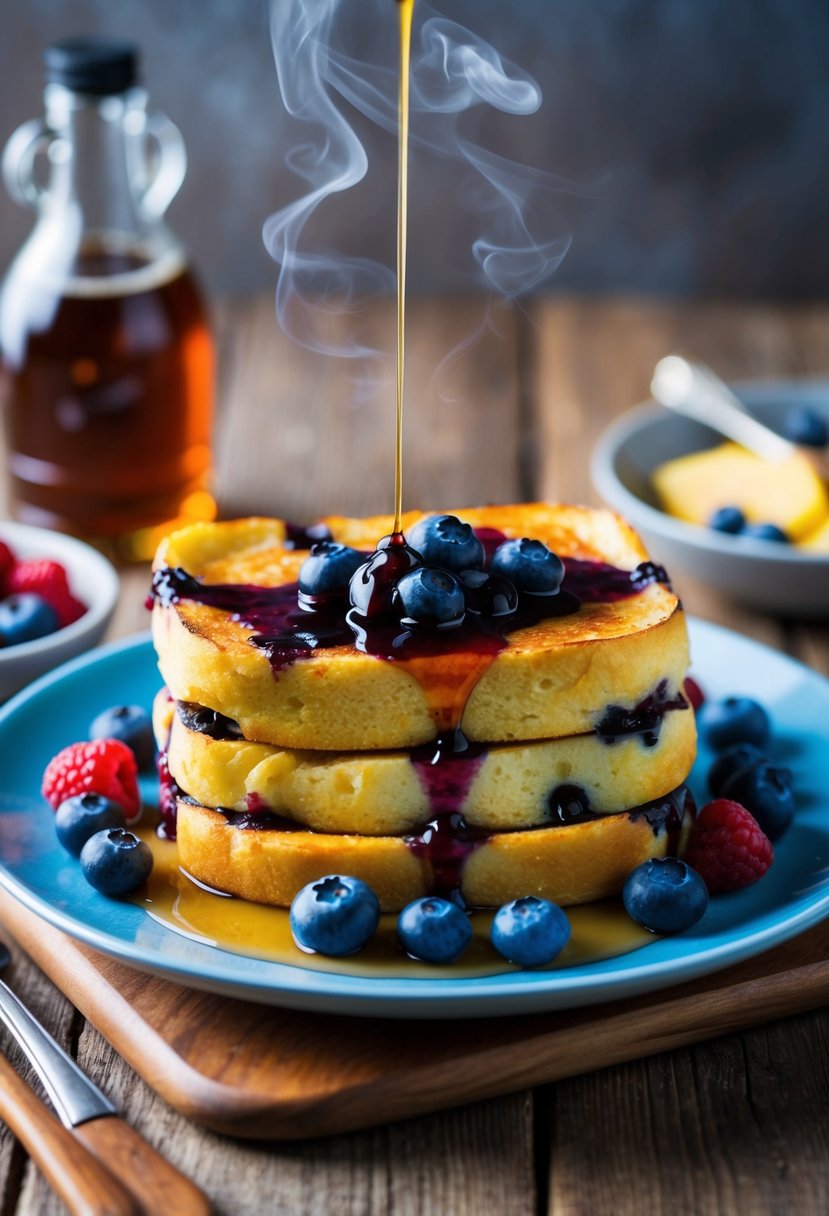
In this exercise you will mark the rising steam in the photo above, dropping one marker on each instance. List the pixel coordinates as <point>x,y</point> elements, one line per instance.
<point>513,244</point>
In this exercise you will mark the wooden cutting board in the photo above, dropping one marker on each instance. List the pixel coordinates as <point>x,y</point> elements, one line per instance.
<point>266,1073</point>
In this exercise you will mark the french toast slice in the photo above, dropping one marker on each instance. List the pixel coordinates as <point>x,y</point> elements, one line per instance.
<point>503,787</point>
<point>552,678</point>
<point>576,864</point>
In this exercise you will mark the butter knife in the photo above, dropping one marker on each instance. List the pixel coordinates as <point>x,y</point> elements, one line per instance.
<point>92,1121</point>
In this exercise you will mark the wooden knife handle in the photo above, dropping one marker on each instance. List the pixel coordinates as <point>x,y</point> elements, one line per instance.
<point>83,1182</point>
<point>157,1185</point>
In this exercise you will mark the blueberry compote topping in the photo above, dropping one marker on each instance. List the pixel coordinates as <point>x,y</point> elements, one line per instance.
<point>600,583</point>
<point>644,719</point>
<point>289,627</point>
<point>569,804</point>
<point>666,814</point>
<point>207,721</point>
<point>168,793</point>
<point>447,768</point>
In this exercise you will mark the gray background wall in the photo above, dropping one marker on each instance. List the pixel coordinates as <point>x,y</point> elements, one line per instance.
<point>700,125</point>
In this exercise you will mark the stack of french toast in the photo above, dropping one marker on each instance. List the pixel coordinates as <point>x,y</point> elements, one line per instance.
<point>541,754</point>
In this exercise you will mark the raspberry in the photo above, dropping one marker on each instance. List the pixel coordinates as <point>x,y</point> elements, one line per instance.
<point>47,578</point>
<point>728,849</point>
<point>106,767</point>
<point>7,564</point>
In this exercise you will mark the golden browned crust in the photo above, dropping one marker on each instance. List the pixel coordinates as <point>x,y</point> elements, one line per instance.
<point>553,679</point>
<point>568,865</point>
<point>381,793</point>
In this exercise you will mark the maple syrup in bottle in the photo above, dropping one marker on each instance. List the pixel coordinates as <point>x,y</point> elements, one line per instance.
<point>107,354</point>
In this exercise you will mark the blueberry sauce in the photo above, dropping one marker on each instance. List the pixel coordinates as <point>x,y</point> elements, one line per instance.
<point>207,722</point>
<point>666,814</point>
<point>569,804</point>
<point>644,719</point>
<point>287,633</point>
<point>168,793</point>
<point>599,583</point>
<point>447,768</point>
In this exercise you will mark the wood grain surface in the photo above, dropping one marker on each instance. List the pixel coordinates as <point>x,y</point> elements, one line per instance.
<point>737,1125</point>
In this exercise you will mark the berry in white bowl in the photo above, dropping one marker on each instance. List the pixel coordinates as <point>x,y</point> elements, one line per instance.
<point>84,605</point>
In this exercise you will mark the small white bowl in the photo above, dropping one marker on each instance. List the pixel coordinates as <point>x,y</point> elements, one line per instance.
<point>92,579</point>
<point>766,575</point>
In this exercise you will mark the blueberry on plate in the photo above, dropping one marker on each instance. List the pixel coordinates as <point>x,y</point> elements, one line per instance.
<point>430,597</point>
<point>434,930</point>
<point>336,915</point>
<point>329,568</point>
<point>765,532</point>
<point>804,426</point>
<point>530,565</point>
<point>81,816</point>
<point>665,895</point>
<point>447,542</point>
<point>133,726</point>
<point>530,932</point>
<point>734,761</point>
<point>488,595</point>
<point>727,519</point>
<point>734,720</point>
<point>25,617</point>
<point>765,790</point>
<point>115,862</point>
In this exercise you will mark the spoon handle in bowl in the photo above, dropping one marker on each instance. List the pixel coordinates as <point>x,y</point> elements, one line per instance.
<point>695,391</point>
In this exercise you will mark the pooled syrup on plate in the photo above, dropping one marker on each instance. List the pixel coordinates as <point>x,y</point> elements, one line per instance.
<point>599,931</point>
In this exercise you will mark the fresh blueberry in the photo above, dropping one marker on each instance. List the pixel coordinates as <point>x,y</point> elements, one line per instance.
<point>336,915</point>
<point>434,930</point>
<point>25,617</point>
<point>765,532</point>
<point>665,895</point>
<point>81,816</point>
<point>530,565</point>
<point>430,597</point>
<point>447,542</point>
<point>488,595</point>
<point>328,568</point>
<point>530,932</point>
<point>733,720</point>
<point>727,519</point>
<point>804,426</point>
<point>737,759</point>
<point>133,726</point>
<point>115,862</point>
<point>766,791</point>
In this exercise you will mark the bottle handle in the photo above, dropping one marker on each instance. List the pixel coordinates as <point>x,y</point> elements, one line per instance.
<point>23,146</point>
<point>171,166</point>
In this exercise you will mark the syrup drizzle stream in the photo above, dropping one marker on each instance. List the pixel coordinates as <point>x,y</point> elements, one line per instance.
<point>406,12</point>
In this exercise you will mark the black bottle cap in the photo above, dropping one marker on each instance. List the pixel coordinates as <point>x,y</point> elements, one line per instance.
<point>98,66</point>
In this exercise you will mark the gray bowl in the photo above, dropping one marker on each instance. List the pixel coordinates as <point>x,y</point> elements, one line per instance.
<point>767,575</point>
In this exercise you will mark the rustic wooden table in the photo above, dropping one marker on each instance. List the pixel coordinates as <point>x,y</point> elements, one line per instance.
<point>736,1125</point>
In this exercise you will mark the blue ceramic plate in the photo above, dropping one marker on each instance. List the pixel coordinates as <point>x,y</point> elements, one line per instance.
<point>793,896</point>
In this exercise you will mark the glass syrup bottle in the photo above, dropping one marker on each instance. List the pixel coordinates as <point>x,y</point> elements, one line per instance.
<point>107,355</point>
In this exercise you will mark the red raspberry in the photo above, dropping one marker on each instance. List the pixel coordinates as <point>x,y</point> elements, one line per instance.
<point>46,578</point>
<point>106,766</point>
<point>728,848</point>
<point>7,564</point>
<point>694,693</point>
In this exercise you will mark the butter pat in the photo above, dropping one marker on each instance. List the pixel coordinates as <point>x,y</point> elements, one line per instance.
<point>788,493</point>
